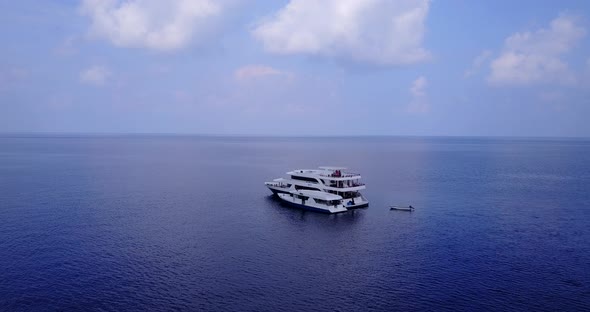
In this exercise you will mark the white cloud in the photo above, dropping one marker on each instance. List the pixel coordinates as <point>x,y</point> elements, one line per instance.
<point>419,103</point>
<point>95,75</point>
<point>418,86</point>
<point>379,32</point>
<point>255,71</point>
<point>159,25</point>
<point>483,57</point>
<point>536,57</point>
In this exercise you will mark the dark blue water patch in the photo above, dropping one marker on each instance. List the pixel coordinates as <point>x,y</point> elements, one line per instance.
<point>167,222</point>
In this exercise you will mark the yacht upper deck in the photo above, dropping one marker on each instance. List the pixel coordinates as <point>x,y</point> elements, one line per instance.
<point>334,173</point>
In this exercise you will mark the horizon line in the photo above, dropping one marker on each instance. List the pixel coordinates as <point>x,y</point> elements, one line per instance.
<point>164,134</point>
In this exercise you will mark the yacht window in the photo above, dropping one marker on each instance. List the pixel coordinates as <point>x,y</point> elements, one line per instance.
<point>298,187</point>
<point>320,201</point>
<point>294,177</point>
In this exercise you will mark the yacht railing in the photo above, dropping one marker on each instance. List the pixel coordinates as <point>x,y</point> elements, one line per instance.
<point>344,175</point>
<point>278,184</point>
<point>345,185</point>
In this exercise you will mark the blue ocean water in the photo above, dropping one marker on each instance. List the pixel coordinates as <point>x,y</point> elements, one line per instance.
<point>181,222</point>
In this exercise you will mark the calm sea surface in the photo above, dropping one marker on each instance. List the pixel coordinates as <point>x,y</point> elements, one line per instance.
<point>160,223</point>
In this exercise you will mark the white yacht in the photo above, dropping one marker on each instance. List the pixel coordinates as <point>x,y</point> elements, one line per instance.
<point>327,189</point>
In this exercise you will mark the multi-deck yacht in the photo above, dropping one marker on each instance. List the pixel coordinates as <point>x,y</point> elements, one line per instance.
<point>327,189</point>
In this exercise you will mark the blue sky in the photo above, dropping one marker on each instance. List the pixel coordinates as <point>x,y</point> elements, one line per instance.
<point>300,67</point>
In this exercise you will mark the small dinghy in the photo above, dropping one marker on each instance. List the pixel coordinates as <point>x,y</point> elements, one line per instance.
<point>403,208</point>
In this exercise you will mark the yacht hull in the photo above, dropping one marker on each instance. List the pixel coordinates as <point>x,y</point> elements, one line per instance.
<point>308,208</point>
<point>363,205</point>
<point>359,202</point>
<point>288,200</point>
